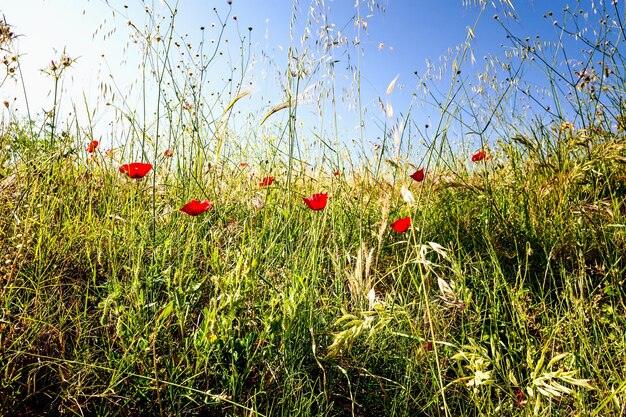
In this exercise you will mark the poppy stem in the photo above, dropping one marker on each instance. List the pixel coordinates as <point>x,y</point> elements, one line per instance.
<point>54,111</point>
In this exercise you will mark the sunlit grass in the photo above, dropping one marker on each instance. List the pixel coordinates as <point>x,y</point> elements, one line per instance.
<point>243,277</point>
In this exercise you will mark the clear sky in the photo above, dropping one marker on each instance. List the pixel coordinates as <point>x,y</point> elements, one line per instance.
<point>398,42</point>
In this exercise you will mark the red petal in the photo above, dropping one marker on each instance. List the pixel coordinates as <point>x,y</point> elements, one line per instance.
<point>92,146</point>
<point>418,175</point>
<point>478,156</point>
<point>266,181</point>
<point>136,169</point>
<point>401,225</point>
<point>316,201</point>
<point>195,207</point>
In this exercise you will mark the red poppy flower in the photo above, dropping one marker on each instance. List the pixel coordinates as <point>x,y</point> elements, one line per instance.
<point>195,207</point>
<point>316,201</point>
<point>92,146</point>
<point>336,173</point>
<point>168,153</point>
<point>418,175</point>
<point>401,225</point>
<point>266,181</point>
<point>479,156</point>
<point>428,346</point>
<point>136,169</point>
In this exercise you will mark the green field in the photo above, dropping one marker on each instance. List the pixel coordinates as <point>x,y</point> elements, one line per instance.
<point>505,296</point>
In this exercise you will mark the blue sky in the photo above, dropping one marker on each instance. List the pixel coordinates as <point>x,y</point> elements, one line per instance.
<point>398,42</point>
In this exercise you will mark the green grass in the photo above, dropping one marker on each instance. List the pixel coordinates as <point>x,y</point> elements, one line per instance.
<point>505,297</point>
